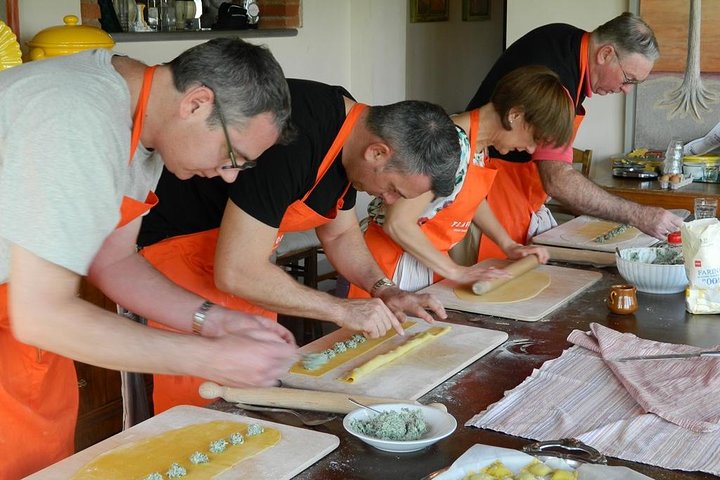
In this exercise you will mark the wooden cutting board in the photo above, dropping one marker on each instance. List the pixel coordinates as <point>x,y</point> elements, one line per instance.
<point>581,231</point>
<point>297,450</point>
<point>565,284</point>
<point>410,376</point>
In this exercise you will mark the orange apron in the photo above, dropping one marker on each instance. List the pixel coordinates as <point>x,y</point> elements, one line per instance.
<point>446,228</point>
<point>38,389</point>
<point>518,190</point>
<point>188,260</point>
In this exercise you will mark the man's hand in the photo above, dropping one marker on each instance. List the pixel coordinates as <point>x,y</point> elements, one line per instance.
<point>402,303</point>
<point>657,222</point>
<point>371,316</point>
<point>247,357</point>
<point>248,350</point>
<point>222,321</point>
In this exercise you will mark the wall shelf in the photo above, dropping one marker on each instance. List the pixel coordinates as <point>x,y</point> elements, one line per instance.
<point>202,35</point>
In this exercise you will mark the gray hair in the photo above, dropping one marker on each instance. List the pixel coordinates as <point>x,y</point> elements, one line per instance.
<point>245,78</point>
<point>423,138</point>
<point>629,33</point>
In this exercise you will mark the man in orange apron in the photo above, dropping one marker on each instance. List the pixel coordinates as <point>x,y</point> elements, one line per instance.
<point>341,146</point>
<point>410,239</point>
<point>611,59</point>
<point>71,199</point>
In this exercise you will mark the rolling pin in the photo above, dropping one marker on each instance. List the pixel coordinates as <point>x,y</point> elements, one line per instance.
<point>516,269</point>
<point>294,398</point>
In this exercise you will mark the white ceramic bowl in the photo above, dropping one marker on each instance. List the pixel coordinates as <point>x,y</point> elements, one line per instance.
<point>440,423</point>
<point>634,265</point>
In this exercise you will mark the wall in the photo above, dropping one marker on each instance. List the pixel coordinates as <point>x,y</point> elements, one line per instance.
<point>446,61</point>
<point>603,127</point>
<point>370,47</point>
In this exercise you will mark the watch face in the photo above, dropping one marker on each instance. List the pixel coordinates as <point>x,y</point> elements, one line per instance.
<point>252,9</point>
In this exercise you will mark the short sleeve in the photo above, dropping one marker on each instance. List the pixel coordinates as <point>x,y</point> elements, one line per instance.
<point>549,152</point>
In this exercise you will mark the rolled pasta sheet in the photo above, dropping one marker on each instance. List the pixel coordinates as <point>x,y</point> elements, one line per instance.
<point>377,362</point>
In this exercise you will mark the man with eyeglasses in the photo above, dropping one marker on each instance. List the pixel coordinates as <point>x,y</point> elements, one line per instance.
<point>341,146</point>
<point>84,140</point>
<point>611,59</point>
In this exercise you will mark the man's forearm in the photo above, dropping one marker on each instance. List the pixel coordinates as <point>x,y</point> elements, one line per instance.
<point>349,254</point>
<point>570,187</point>
<point>270,287</point>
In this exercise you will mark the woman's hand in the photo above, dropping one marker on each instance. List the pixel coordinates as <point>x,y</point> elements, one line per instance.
<point>517,251</point>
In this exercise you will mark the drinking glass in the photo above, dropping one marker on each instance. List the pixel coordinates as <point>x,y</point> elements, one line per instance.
<point>705,208</point>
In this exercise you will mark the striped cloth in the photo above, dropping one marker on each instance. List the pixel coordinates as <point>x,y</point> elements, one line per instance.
<point>579,395</point>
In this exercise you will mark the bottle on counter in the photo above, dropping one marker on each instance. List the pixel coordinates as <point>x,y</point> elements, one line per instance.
<point>153,14</point>
<point>167,15</point>
<point>674,240</point>
<point>673,158</point>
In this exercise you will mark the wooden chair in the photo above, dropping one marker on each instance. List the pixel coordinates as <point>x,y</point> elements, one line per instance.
<point>298,254</point>
<point>582,160</point>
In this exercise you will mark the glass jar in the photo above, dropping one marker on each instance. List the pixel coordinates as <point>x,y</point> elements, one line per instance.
<point>167,15</point>
<point>673,158</point>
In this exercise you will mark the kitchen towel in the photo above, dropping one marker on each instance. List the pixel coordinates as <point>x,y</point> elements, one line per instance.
<point>578,395</point>
<point>682,391</point>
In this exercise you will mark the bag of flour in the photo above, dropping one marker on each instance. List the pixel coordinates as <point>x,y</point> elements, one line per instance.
<point>701,249</point>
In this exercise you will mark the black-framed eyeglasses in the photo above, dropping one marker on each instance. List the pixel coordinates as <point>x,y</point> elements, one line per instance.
<point>234,165</point>
<point>626,80</point>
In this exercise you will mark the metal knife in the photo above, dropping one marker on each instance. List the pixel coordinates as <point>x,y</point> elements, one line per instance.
<point>710,353</point>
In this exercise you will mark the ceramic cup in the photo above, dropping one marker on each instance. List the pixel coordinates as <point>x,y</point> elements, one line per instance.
<point>623,299</point>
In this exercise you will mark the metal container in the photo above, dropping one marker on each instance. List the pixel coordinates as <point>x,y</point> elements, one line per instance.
<point>68,38</point>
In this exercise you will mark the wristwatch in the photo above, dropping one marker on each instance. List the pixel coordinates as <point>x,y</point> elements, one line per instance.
<point>253,12</point>
<point>199,317</point>
<point>383,282</point>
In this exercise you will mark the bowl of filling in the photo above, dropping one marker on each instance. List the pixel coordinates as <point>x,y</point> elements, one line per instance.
<point>400,427</point>
<point>653,269</point>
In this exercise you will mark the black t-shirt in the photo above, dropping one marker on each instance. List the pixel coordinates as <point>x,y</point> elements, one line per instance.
<point>556,46</point>
<point>284,174</point>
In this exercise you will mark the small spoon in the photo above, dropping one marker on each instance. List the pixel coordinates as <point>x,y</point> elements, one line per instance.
<point>364,406</point>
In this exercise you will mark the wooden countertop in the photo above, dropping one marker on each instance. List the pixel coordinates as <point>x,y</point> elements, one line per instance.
<point>650,193</point>
<point>659,317</point>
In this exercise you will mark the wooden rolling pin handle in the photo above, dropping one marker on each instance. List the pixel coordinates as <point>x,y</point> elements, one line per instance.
<point>516,269</point>
<point>292,398</point>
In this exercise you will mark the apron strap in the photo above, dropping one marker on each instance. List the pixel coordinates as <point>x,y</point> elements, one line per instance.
<point>474,126</point>
<point>140,108</point>
<point>584,46</point>
<point>337,145</point>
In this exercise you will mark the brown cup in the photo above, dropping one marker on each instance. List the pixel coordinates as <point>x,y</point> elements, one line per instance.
<point>622,299</point>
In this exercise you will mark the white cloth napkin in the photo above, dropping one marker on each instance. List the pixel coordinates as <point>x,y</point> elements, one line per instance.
<point>682,391</point>
<point>579,396</point>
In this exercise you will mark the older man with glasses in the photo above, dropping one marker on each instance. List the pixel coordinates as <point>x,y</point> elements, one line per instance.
<point>611,59</point>
<point>340,146</point>
<point>80,218</point>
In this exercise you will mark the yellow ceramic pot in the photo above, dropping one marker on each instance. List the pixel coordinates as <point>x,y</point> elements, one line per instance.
<point>67,39</point>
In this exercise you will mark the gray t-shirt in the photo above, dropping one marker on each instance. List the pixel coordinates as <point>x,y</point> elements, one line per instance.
<point>65,126</point>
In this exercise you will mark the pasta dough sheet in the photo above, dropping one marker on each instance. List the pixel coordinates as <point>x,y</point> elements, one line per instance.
<point>348,355</point>
<point>590,231</point>
<point>524,287</point>
<point>385,358</point>
<point>157,453</point>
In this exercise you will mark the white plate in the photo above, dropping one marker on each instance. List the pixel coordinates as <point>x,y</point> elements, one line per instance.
<point>480,456</point>
<point>441,425</point>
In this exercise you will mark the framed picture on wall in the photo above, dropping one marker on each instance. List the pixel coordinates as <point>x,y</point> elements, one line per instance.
<point>429,10</point>
<point>475,10</point>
